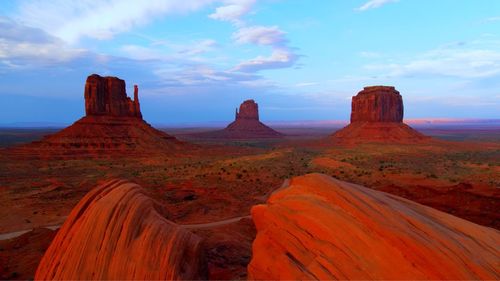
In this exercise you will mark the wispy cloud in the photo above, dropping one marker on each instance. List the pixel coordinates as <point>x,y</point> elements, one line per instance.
<point>260,35</point>
<point>459,63</point>
<point>98,19</point>
<point>232,10</point>
<point>22,46</point>
<point>280,58</point>
<point>373,4</point>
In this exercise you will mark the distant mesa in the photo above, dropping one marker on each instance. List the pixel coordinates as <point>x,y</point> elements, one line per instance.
<point>113,125</point>
<point>117,232</point>
<point>245,126</point>
<point>377,116</point>
<point>320,228</point>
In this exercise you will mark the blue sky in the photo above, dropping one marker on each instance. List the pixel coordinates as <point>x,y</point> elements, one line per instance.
<point>196,60</point>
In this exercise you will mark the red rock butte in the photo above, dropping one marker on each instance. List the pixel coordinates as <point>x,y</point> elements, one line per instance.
<point>320,228</point>
<point>245,126</point>
<point>113,125</point>
<point>377,116</point>
<point>117,232</point>
<point>107,96</point>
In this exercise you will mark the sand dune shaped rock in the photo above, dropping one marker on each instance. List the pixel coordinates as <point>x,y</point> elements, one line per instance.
<point>323,228</point>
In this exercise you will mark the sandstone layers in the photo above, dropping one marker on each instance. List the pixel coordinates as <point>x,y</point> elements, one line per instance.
<point>113,124</point>
<point>322,228</point>
<point>377,116</point>
<point>117,232</point>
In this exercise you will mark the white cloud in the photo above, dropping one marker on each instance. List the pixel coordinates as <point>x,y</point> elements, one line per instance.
<point>459,63</point>
<point>280,58</point>
<point>233,10</point>
<point>492,19</point>
<point>373,4</point>
<point>22,46</point>
<point>260,35</point>
<point>99,19</point>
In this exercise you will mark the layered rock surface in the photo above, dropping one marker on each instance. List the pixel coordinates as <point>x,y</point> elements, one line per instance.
<point>113,125</point>
<point>117,232</point>
<point>377,116</point>
<point>322,228</point>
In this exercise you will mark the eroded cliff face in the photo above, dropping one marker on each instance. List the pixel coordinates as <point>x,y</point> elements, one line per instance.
<point>322,228</point>
<point>107,96</point>
<point>117,232</point>
<point>377,104</point>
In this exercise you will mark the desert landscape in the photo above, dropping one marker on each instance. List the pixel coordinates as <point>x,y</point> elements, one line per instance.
<point>118,186</point>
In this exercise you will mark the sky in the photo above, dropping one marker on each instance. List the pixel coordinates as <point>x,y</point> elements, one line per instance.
<point>195,61</point>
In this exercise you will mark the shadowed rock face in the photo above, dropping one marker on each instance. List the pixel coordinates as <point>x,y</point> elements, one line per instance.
<point>117,232</point>
<point>377,104</point>
<point>249,109</point>
<point>322,228</point>
<point>377,116</point>
<point>107,96</point>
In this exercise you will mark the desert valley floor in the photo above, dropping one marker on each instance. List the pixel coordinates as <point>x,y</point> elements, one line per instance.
<point>210,186</point>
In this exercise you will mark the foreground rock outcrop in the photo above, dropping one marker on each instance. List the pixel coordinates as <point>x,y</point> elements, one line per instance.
<point>322,228</point>
<point>117,232</point>
<point>377,116</point>
<point>113,125</point>
<point>245,126</point>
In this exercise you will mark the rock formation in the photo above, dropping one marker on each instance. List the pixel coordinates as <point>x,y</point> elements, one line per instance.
<point>107,96</point>
<point>377,116</point>
<point>377,104</point>
<point>117,232</point>
<point>322,228</point>
<point>245,126</point>
<point>113,125</point>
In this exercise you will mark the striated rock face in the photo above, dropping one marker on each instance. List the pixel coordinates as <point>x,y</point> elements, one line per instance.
<point>322,228</point>
<point>107,96</point>
<point>117,232</point>
<point>249,109</point>
<point>377,116</point>
<point>377,104</point>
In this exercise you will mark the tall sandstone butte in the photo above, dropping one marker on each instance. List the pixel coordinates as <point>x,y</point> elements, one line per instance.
<point>107,96</point>
<point>377,116</point>
<point>113,124</point>
<point>117,232</point>
<point>247,124</point>
<point>321,228</point>
<point>377,104</point>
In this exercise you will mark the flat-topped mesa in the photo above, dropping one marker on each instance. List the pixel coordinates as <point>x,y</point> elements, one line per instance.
<point>249,109</point>
<point>107,96</point>
<point>377,104</point>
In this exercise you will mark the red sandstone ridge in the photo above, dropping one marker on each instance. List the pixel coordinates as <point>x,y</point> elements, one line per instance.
<point>113,125</point>
<point>117,232</point>
<point>245,126</point>
<point>322,228</point>
<point>377,115</point>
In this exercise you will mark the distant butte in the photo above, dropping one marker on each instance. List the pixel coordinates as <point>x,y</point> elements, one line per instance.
<point>377,116</point>
<point>245,126</point>
<point>113,125</point>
